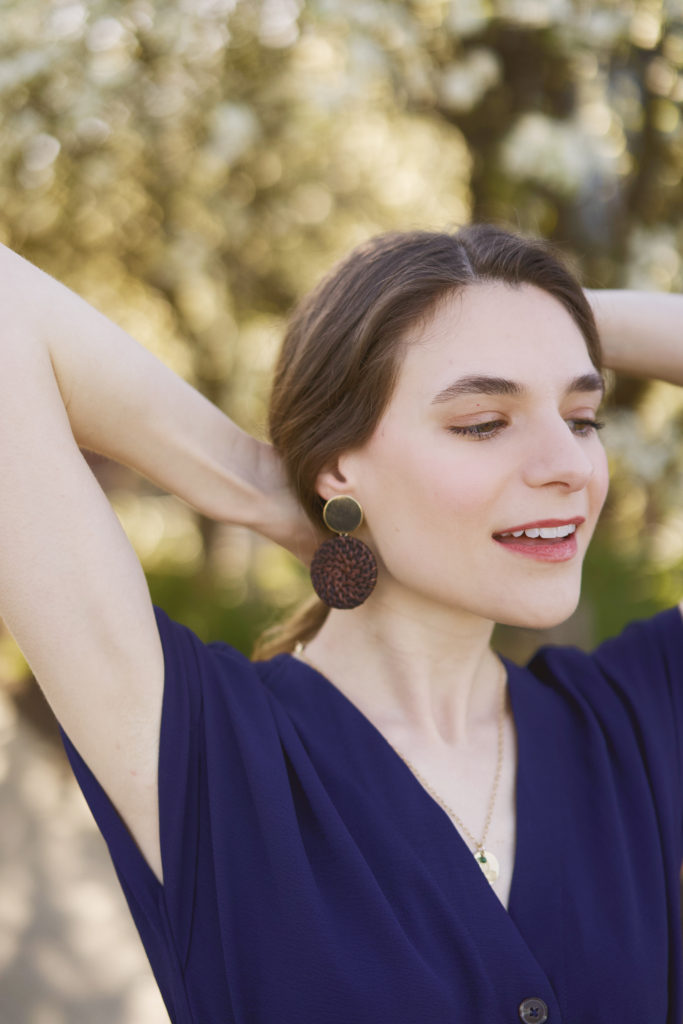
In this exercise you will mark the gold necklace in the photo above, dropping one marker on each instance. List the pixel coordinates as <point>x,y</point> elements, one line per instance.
<point>487,861</point>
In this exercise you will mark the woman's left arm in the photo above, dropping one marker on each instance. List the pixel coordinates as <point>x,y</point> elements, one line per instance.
<point>641,332</point>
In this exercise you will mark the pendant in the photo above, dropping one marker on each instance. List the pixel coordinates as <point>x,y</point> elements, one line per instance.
<point>488,862</point>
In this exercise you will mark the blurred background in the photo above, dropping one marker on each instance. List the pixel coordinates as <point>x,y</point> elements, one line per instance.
<point>191,167</point>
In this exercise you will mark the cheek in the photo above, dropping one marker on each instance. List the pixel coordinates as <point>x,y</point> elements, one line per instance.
<point>462,490</point>
<point>428,516</point>
<point>418,490</point>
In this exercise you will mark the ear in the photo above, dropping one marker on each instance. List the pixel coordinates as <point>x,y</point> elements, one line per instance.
<point>337,478</point>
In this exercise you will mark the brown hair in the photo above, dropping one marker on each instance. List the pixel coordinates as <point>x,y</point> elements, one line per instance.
<point>341,354</point>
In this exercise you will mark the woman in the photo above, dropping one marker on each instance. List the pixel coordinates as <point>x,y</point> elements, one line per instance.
<point>389,822</point>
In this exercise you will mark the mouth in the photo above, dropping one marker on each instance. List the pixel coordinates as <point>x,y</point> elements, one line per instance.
<point>549,540</point>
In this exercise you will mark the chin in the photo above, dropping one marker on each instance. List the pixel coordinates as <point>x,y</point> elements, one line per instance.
<point>545,615</point>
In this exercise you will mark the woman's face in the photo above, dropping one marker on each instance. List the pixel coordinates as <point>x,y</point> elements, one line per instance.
<point>484,436</point>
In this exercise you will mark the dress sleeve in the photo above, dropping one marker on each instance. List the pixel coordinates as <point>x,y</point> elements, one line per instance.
<point>647,659</point>
<point>634,678</point>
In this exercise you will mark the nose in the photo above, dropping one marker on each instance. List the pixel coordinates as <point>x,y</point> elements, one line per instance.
<point>559,457</point>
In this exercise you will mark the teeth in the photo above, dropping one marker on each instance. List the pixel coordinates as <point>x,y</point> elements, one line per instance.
<point>544,532</point>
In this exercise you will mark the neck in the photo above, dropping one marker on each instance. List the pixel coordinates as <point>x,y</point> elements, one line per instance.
<point>413,667</point>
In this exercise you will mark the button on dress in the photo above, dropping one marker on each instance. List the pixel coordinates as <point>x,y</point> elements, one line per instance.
<point>309,878</point>
<point>533,1011</point>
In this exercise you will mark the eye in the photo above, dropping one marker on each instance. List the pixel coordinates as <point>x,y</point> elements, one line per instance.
<point>584,428</point>
<point>479,431</point>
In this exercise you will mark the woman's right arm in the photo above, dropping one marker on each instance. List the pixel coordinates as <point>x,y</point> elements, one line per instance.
<point>72,590</point>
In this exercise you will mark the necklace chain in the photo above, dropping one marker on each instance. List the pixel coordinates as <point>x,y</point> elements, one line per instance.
<point>479,846</point>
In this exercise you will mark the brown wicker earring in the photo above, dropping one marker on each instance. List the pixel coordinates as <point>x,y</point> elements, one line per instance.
<point>343,570</point>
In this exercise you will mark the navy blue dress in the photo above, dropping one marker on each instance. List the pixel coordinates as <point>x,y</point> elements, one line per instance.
<point>310,879</point>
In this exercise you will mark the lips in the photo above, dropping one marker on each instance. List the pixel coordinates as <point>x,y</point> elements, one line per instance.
<point>545,540</point>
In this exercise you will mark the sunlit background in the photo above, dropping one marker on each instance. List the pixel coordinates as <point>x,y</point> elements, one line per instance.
<point>191,167</point>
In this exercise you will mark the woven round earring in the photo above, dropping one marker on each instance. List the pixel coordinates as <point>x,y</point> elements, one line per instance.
<point>343,570</point>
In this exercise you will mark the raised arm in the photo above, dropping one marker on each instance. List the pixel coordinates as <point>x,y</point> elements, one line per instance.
<point>124,403</point>
<point>641,332</point>
<point>72,591</point>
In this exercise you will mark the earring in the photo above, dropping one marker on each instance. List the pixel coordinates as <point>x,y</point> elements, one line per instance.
<point>343,570</point>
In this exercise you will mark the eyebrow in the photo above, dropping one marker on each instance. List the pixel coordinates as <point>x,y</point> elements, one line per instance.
<point>481,385</point>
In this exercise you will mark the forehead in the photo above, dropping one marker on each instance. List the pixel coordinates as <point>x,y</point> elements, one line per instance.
<point>519,332</point>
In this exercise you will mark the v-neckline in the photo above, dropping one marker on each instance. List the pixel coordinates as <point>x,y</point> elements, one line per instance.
<point>535,898</point>
<point>411,779</point>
